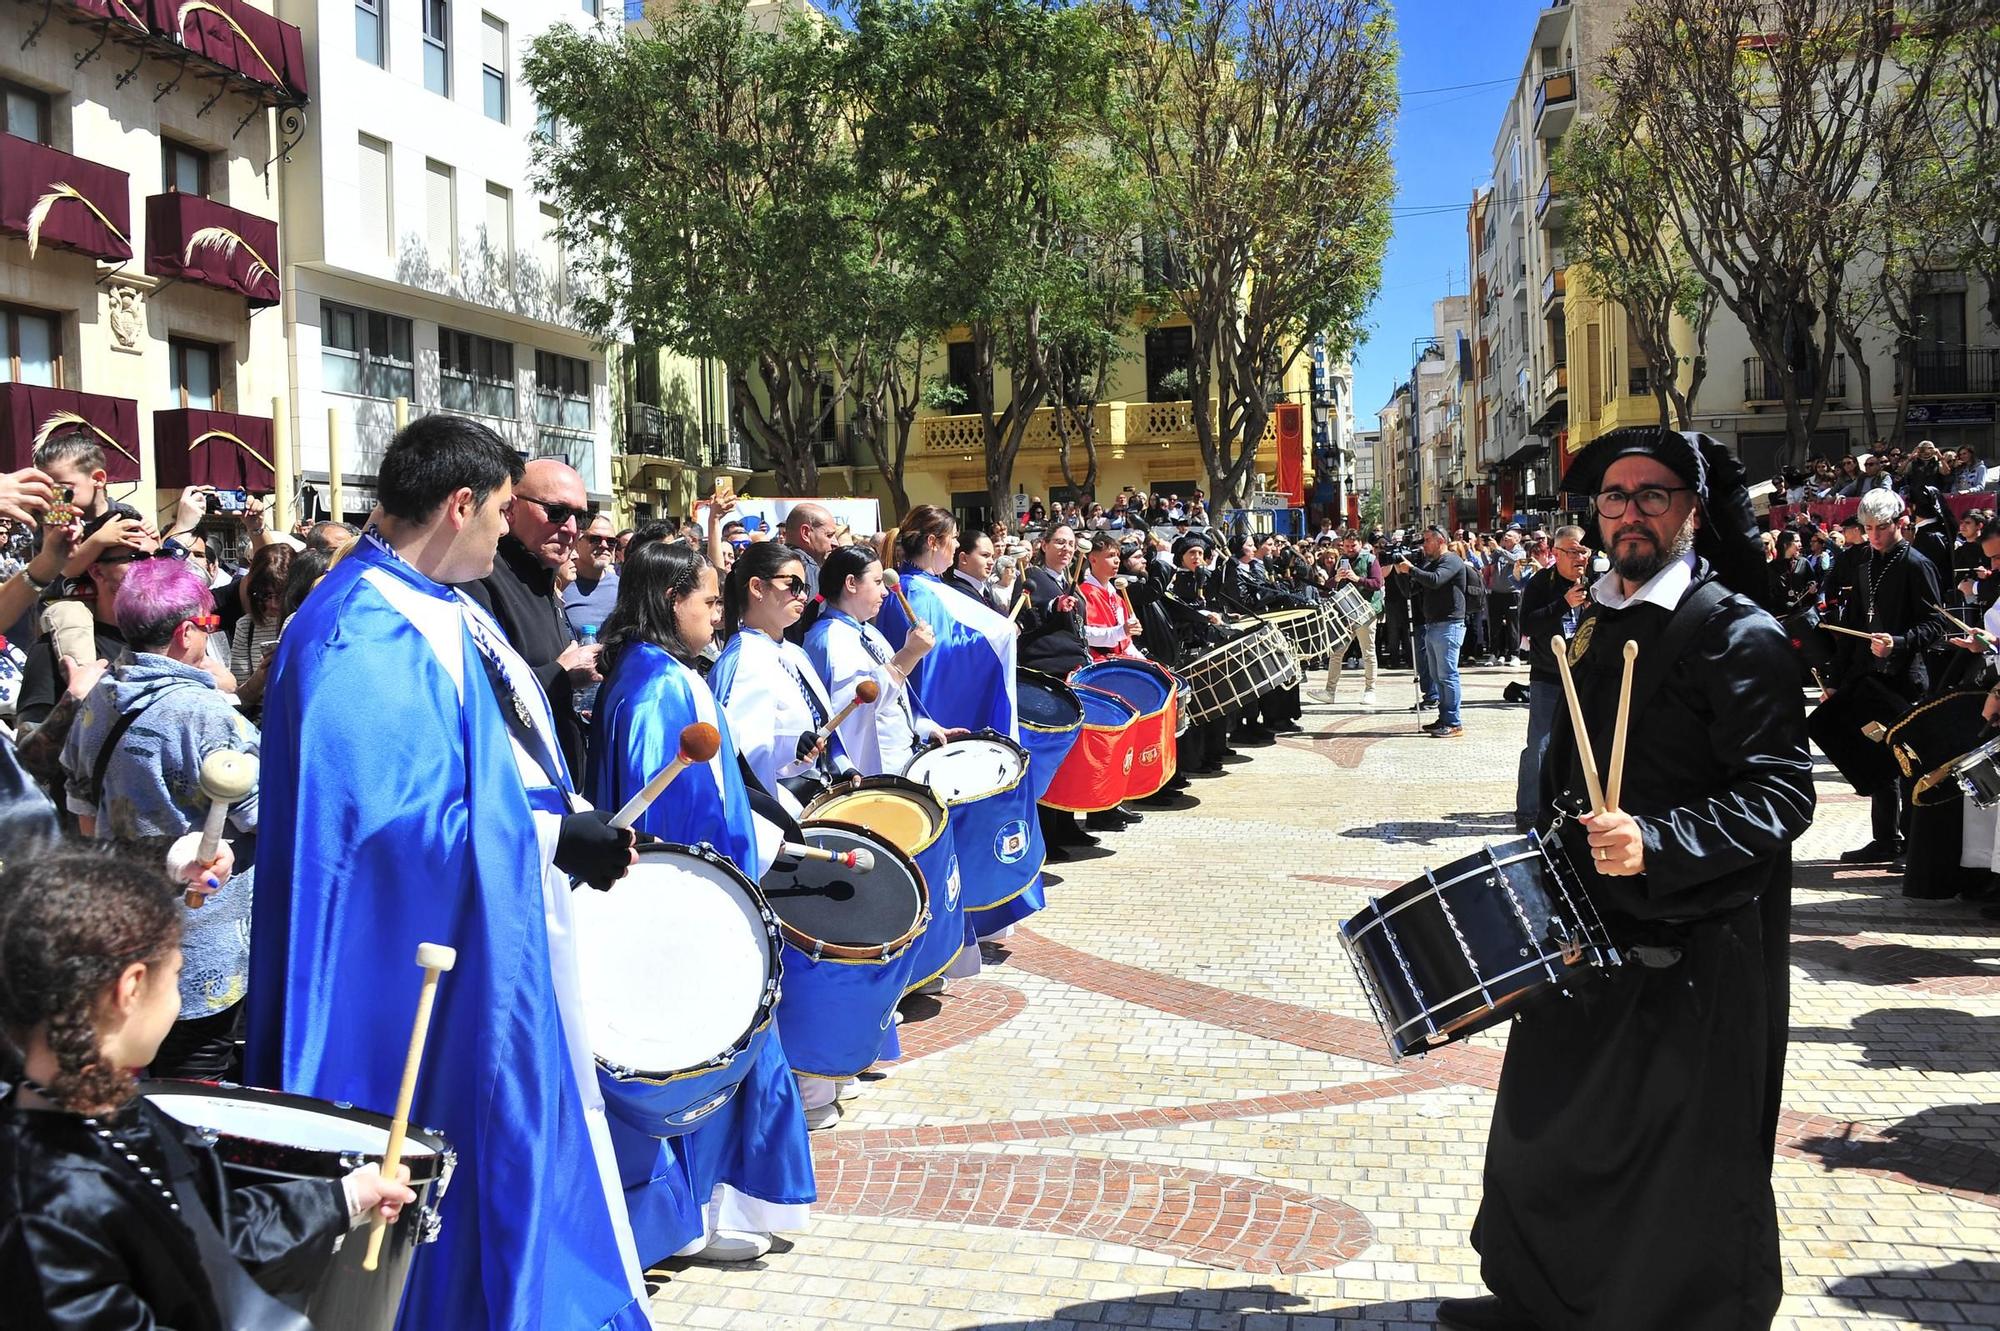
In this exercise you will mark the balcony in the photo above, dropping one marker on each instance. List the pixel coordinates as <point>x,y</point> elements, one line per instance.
<point>64,202</point>
<point>193,239</point>
<point>218,448</point>
<point>966,435</point>
<point>29,413</point>
<point>1954,372</point>
<point>1551,22</point>
<point>239,43</point>
<point>1764,385</point>
<point>1555,104</point>
<point>1553,288</point>
<point>1550,204</point>
<point>1555,382</point>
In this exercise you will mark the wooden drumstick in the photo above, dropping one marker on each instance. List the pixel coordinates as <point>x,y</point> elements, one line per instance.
<point>698,744</point>
<point>1590,784</point>
<point>1852,633</point>
<point>1014,611</point>
<point>860,859</point>
<point>1122,583</point>
<point>436,959</point>
<point>1615,783</point>
<point>867,691</point>
<point>226,778</point>
<point>1970,631</point>
<point>894,581</point>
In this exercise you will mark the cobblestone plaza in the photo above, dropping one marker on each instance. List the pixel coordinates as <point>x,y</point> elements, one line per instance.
<point>1164,1102</point>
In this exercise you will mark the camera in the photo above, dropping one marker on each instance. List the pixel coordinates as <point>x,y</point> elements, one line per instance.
<point>228,501</point>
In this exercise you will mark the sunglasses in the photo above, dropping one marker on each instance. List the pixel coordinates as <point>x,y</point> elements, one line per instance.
<point>789,585</point>
<point>206,623</point>
<point>558,514</point>
<point>600,540</point>
<point>134,556</point>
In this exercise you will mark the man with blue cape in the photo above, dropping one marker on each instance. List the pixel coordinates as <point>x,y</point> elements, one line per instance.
<point>414,793</point>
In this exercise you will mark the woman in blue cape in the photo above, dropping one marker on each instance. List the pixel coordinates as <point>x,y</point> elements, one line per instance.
<point>748,1165</point>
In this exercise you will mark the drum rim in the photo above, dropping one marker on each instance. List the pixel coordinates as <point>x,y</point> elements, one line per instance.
<point>767,1008</point>
<point>1172,693</point>
<point>990,735</point>
<point>1543,962</point>
<point>893,784</point>
<point>423,1169</point>
<point>819,949</point>
<point>1378,915</point>
<point>1136,717</point>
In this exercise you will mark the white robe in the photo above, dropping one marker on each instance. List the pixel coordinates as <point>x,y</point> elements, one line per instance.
<point>767,712</point>
<point>880,737</point>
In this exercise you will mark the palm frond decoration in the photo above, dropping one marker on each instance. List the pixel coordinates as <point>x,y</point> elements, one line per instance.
<point>222,238</point>
<point>59,192</point>
<point>131,13</point>
<point>61,417</point>
<point>205,7</point>
<point>237,440</point>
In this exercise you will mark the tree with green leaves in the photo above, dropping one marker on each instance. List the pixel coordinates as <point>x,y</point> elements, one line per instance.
<point>1621,242</point>
<point>710,198</point>
<point>1264,130</point>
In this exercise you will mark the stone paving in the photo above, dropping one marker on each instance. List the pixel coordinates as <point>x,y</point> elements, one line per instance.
<point>1164,1102</point>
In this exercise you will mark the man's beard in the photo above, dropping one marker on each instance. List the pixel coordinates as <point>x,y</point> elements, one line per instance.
<point>1640,567</point>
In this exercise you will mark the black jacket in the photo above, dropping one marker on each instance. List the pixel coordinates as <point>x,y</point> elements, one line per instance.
<point>1542,612</point>
<point>1441,586</point>
<point>978,591</point>
<point>1051,639</point>
<point>1908,588</point>
<point>521,593</point>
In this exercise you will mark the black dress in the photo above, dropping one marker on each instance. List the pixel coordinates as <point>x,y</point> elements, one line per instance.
<point>88,1243</point>
<point>1628,1169</point>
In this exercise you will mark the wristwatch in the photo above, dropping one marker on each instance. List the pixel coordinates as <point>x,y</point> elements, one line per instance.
<point>39,585</point>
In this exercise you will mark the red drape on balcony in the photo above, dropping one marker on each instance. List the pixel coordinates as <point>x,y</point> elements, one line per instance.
<point>218,448</point>
<point>200,240</point>
<point>29,414</point>
<point>235,36</point>
<point>132,13</point>
<point>83,206</point>
<point>1291,451</point>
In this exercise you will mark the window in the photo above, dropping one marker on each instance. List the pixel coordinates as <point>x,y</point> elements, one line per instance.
<point>30,348</point>
<point>493,66</point>
<point>959,369</point>
<point>562,391</point>
<point>183,170</point>
<point>476,374</point>
<point>197,372</point>
<point>1167,350</point>
<point>590,7</point>
<point>500,233</point>
<point>548,254</point>
<point>368,31</point>
<point>365,353</point>
<point>441,215</point>
<point>437,46</point>
<point>373,191</point>
<point>24,113</point>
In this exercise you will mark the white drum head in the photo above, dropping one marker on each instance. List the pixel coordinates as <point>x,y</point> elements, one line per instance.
<point>674,962</point>
<point>287,1125</point>
<point>967,770</point>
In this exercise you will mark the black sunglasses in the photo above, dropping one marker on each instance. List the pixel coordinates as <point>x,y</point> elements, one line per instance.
<point>558,514</point>
<point>134,556</point>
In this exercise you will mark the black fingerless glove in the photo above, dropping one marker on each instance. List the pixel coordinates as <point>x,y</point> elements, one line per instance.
<point>589,848</point>
<point>807,743</point>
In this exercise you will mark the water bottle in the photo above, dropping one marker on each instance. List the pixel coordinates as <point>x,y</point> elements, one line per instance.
<point>586,697</point>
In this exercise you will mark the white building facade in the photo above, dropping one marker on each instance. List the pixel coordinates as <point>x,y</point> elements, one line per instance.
<point>420,263</point>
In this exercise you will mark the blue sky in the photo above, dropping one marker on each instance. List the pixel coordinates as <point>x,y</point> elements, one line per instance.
<point>1460,59</point>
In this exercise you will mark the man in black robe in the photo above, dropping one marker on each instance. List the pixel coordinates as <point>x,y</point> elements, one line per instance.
<point>1628,1167</point>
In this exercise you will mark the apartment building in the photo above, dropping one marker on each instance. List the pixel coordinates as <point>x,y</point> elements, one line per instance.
<point>420,263</point>
<point>1447,485</point>
<point>1395,458</point>
<point>139,235</point>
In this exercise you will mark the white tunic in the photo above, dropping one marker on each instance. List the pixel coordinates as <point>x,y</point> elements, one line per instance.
<point>767,710</point>
<point>880,737</point>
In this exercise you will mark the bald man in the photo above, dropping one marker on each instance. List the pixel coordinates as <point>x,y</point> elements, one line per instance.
<point>809,529</point>
<point>549,509</point>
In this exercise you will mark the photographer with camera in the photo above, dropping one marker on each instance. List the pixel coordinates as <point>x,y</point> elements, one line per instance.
<point>1552,602</point>
<point>1440,579</point>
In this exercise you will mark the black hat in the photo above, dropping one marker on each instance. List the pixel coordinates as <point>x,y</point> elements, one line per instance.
<point>1193,540</point>
<point>1730,538</point>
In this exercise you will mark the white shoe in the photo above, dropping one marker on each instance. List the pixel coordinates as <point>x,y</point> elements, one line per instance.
<point>846,1089</point>
<point>929,987</point>
<point>820,1116</point>
<point>899,1016</point>
<point>1367,697</point>
<point>731,1246</point>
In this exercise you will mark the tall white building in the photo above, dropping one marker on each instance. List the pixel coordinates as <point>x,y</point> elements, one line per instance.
<point>419,261</point>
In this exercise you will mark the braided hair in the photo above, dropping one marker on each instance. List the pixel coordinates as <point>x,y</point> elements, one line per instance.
<point>71,920</point>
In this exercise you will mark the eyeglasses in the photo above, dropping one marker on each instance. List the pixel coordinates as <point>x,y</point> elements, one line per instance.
<point>600,540</point>
<point>1573,551</point>
<point>134,556</point>
<point>790,585</point>
<point>206,623</point>
<point>559,514</point>
<point>1653,500</point>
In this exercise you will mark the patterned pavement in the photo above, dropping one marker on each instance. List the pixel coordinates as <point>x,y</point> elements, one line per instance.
<point>1164,1102</point>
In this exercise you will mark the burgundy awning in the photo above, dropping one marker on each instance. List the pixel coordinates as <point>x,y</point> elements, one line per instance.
<point>55,199</point>
<point>218,448</point>
<point>203,241</point>
<point>29,414</point>
<point>132,13</point>
<point>235,36</point>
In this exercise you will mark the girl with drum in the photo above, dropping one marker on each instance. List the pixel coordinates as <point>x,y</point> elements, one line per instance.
<point>747,1168</point>
<point>768,686</point>
<point>111,1191</point>
<point>845,648</point>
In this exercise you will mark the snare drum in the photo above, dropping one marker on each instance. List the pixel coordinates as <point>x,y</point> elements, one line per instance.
<point>1092,778</point>
<point>849,940</point>
<point>679,963</point>
<point>1347,612</point>
<point>1926,740</point>
<point>1240,671</point>
<point>1470,944</point>
<point>1150,690</point>
<point>983,781</point>
<point>1977,774</point>
<point>906,815</point>
<point>269,1136</point>
<point>1051,719</point>
<point>1308,629</point>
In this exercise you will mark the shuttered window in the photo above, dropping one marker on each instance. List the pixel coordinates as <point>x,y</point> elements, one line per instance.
<point>500,233</point>
<point>440,216</point>
<point>373,195</point>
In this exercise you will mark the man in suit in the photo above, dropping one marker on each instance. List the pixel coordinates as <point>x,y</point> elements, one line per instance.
<point>972,567</point>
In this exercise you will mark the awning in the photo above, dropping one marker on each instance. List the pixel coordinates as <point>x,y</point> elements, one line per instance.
<point>131,13</point>
<point>232,34</point>
<point>30,414</point>
<point>218,448</point>
<point>199,240</point>
<point>56,199</point>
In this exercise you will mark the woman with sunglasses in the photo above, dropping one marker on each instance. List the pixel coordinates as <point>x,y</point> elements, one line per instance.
<point>845,646</point>
<point>767,686</point>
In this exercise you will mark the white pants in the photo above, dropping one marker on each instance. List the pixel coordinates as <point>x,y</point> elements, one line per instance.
<point>1365,635</point>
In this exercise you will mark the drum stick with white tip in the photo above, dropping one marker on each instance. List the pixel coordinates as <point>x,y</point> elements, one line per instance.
<point>1615,784</point>
<point>698,744</point>
<point>1970,631</point>
<point>1123,584</point>
<point>227,777</point>
<point>1852,633</point>
<point>860,859</point>
<point>1590,783</point>
<point>436,959</point>
<point>894,581</point>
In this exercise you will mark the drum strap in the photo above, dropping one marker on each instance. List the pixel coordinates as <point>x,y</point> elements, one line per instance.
<point>243,1305</point>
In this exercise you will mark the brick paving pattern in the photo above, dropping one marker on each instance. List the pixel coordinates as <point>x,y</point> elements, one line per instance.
<point>1165,1103</point>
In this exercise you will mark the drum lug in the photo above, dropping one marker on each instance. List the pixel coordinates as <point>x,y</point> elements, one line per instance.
<point>429,1224</point>
<point>351,1161</point>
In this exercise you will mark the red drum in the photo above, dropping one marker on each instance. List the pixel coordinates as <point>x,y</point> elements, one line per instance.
<point>1094,773</point>
<point>1150,690</point>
